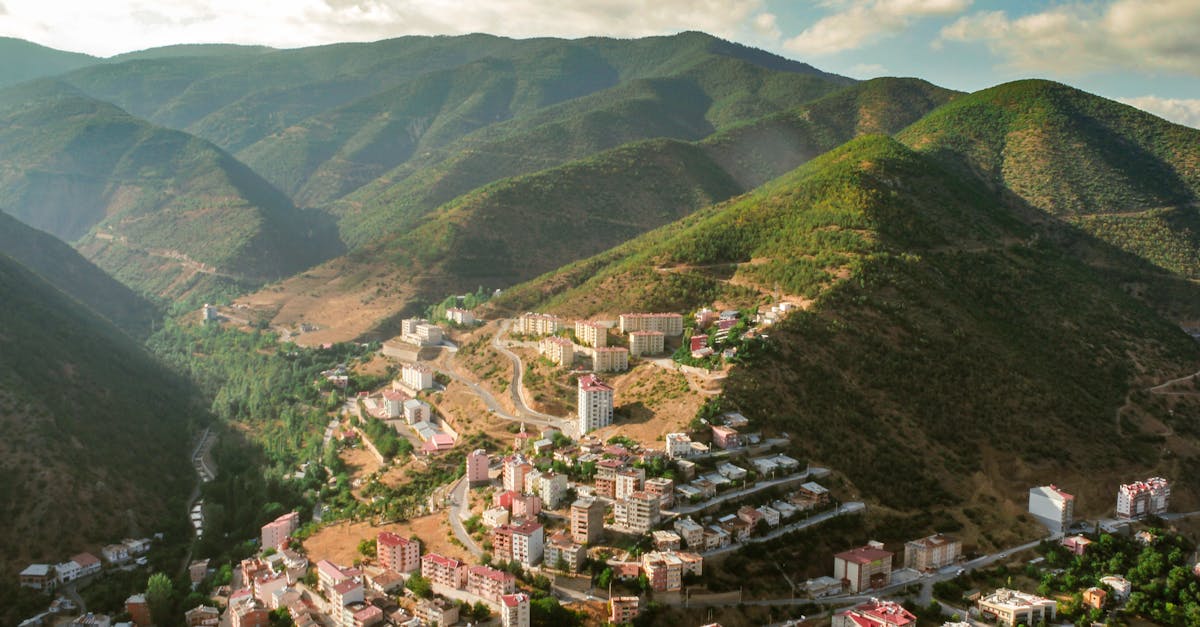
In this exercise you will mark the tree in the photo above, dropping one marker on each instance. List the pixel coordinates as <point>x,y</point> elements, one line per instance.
<point>480,612</point>
<point>367,547</point>
<point>160,597</point>
<point>604,578</point>
<point>420,586</point>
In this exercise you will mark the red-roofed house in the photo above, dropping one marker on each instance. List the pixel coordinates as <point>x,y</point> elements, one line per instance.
<point>490,583</point>
<point>875,613</point>
<point>88,563</point>
<point>864,568</point>
<point>514,610</point>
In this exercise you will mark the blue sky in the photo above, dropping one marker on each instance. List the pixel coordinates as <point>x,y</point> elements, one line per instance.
<point>1145,52</point>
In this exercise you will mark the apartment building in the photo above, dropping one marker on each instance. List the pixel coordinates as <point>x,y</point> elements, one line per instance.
<point>639,513</point>
<point>666,323</point>
<point>646,343</point>
<point>1052,507</point>
<point>537,324</point>
<point>587,520</point>
<point>477,468</point>
<point>595,403</point>
<point>416,376</point>
<point>490,583</point>
<point>443,570</point>
<point>1143,498</point>
<point>522,542</point>
<point>1012,607</point>
<point>623,610</point>
<point>276,532</point>
<point>591,333</point>
<point>458,315</point>
<point>662,488</point>
<point>691,531</point>
<point>864,568</point>
<point>557,349</point>
<point>397,553</point>
<point>932,553</point>
<point>628,481</point>
<point>564,553</point>
<point>514,610</point>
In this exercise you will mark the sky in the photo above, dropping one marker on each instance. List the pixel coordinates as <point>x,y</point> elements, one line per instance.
<point>1142,52</point>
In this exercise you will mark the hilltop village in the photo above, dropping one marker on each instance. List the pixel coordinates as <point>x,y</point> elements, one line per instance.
<point>610,512</point>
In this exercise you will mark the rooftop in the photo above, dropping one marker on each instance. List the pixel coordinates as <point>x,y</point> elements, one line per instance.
<point>864,555</point>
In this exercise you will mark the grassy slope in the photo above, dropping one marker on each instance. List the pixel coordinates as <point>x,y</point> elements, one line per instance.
<point>25,60</point>
<point>96,431</point>
<point>67,270</point>
<point>78,166</point>
<point>1108,167</point>
<point>940,335</point>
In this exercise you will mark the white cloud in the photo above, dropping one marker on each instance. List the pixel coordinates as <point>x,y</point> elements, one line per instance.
<point>114,26</point>
<point>868,70</point>
<point>860,22</point>
<point>1163,35</point>
<point>1180,111</point>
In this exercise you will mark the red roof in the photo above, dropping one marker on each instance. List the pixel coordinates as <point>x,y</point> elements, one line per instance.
<point>864,555</point>
<point>513,600</point>
<point>346,586</point>
<point>387,538</point>
<point>526,528</point>
<point>491,573</point>
<point>592,383</point>
<point>85,559</point>
<point>441,560</point>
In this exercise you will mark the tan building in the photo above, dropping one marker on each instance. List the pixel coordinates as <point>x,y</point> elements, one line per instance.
<point>664,489</point>
<point>443,570</point>
<point>490,583</point>
<point>622,610</point>
<point>537,324</point>
<point>559,350</point>
<point>646,343</point>
<point>587,520</point>
<point>610,359</point>
<point>667,323</point>
<point>638,513</point>
<point>1011,607</point>
<point>397,553</point>
<point>932,553</point>
<point>437,611</point>
<point>663,570</point>
<point>514,610</point>
<point>592,334</point>
<point>865,568</point>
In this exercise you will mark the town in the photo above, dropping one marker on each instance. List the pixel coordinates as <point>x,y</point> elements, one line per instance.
<point>547,511</point>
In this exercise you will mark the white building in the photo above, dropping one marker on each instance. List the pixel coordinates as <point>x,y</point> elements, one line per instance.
<point>416,411</point>
<point>646,343</point>
<point>610,359</point>
<point>458,315</point>
<point>514,610</point>
<point>1143,498</point>
<point>1011,607</point>
<point>559,350</point>
<point>678,445</point>
<point>538,324</point>
<point>595,404</point>
<point>417,376</point>
<point>393,403</point>
<point>1052,507</point>
<point>666,323</point>
<point>552,487</point>
<point>594,334</point>
<point>639,513</point>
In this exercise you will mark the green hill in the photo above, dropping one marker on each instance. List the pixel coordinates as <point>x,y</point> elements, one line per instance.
<point>95,444</point>
<point>64,268</point>
<point>25,60</point>
<point>161,210</point>
<point>941,330</point>
<point>1107,167</point>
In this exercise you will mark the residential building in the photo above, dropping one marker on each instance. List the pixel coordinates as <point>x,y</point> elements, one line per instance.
<point>514,610</point>
<point>490,583</point>
<point>864,568</point>
<point>811,494</point>
<point>528,543</point>
<point>408,326</point>
<point>693,563</point>
<point>502,543</point>
<point>330,575</point>
<point>532,479</point>
<point>587,520</point>
<point>477,468</point>
<point>731,472</point>
<point>458,315</point>
<point>610,359</point>
<point>347,592</point>
<point>678,445</point>
<point>246,611</point>
<point>594,334</point>
<point>557,349</point>
<point>1076,544</point>
<point>1052,507</point>
<point>770,514</point>
<point>1143,498</point>
<point>276,532</point>
<point>563,553</point>
<point>751,516</point>
<point>393,403</point>
<point>503,499</point>
<point>1120,586</point>
<point>88,564</point>
<point>639,513</point>
<point>663,570</point>
<point>537,324</point>
<point>202,616</point>
<point>397,553</point>
<point>622,610</point>
<point>738,528</point>
<point>416,411</point>
<point>823,587</point>
<point>514,470</point>
<point>628,481</point>
<point>1095,597</point>
<point>443,570</point>
<point>416,376</point>
<point>1011,607</point>
<point>932,553</point>
<point>875,613</point>
<point>138,610</point>
<point>666,540</point>
<point>666,323</point>
<point>662,488</point>
<point>495,516</point>
<point>526,506</point>
<point>66,571</point>
<point>646,343</point>
<point>437,611</point>
<point>552,487</point>
<point>691,531</point>
<point>595,403</point>
<point>725,437</point>
<point>115,553</point>
<point>716,538</point>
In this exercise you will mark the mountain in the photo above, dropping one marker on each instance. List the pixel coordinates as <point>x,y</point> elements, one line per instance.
<point>1121,174</point>
<point>64,268</point>
<point>939,327</point>
<point>25,60</point>
<point>164,212</point>
<point>95,443</point>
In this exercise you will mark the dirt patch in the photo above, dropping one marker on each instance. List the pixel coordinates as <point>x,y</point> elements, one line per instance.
<point>338,542</point>
<point>654,402</point>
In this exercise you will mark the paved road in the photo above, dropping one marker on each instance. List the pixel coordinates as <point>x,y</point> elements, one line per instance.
<point>813,471</point>
<point>517,389</point>
<point>853,507</point>
<point>459,502</point>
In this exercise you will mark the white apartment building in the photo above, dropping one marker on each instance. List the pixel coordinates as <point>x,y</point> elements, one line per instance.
<point>1012,607</point>
<point>667,323</point>
<point>1143,498</point>
<point>537,324</point>
<point>1052,507</point>
<point>639,513</point>
<point>552,487</point>
<point>417,376</point>
<point>557,349</point>
<point>595,404</point>
<point>514,610</point>
<point>458,315</point>
<point>678,445</point>
<point>646,343</point>
<point>416,411</point>
<point>610,359</point>
<point>591,333</point>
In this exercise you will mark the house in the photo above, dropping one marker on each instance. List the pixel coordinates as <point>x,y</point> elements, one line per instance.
<point>716,538</point>
<point>415,411</point>
<point>495,516</point>
<point>811,494</point>
<point>666,540</point>
<point>1121,587</point>
<point>490,583</point>
<point>202,616</point>
<point>1052,507</point>
<point>88,564</point>
<point>666,323</point>
<point>437,611</point>
<point>610,359</point>
<point>735,419</point>
<point>1143,498</point>
<point>115,553</point>
<point>731,472</point>
<point>764,466</point>
<point>789,464</point>
<point>664,489</point>
<point>276,532</point>
<point>646,343</point>
<point>875,613</point>
<point>66,571</point>
<point>1010,608</point>
<point>863,568</point>
<point>397,553</point>
<point>678,445</point>
<point>563,553</point>
<point>595,403</point>
<point>623,610</point>
<point>1076,544</point>
<point>513,471</point>
<point>384,581</point>
<point>750,515</point>
<point>708,487</point>
<point>1095,597</point>
<point>725,437</point>
<point>514,610</point>
<point>691,532</point>
<point>823,587</point>
<point>932,552</point>
<point>770,514</point>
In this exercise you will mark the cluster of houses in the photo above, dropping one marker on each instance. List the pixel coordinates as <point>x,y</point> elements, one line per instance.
<point>1055,508</point>
<point>47,577</point>
<point>645,333</point>
<point>398,404</point>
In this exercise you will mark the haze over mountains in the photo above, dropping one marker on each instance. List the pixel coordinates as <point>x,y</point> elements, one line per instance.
<point>974,267</point>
